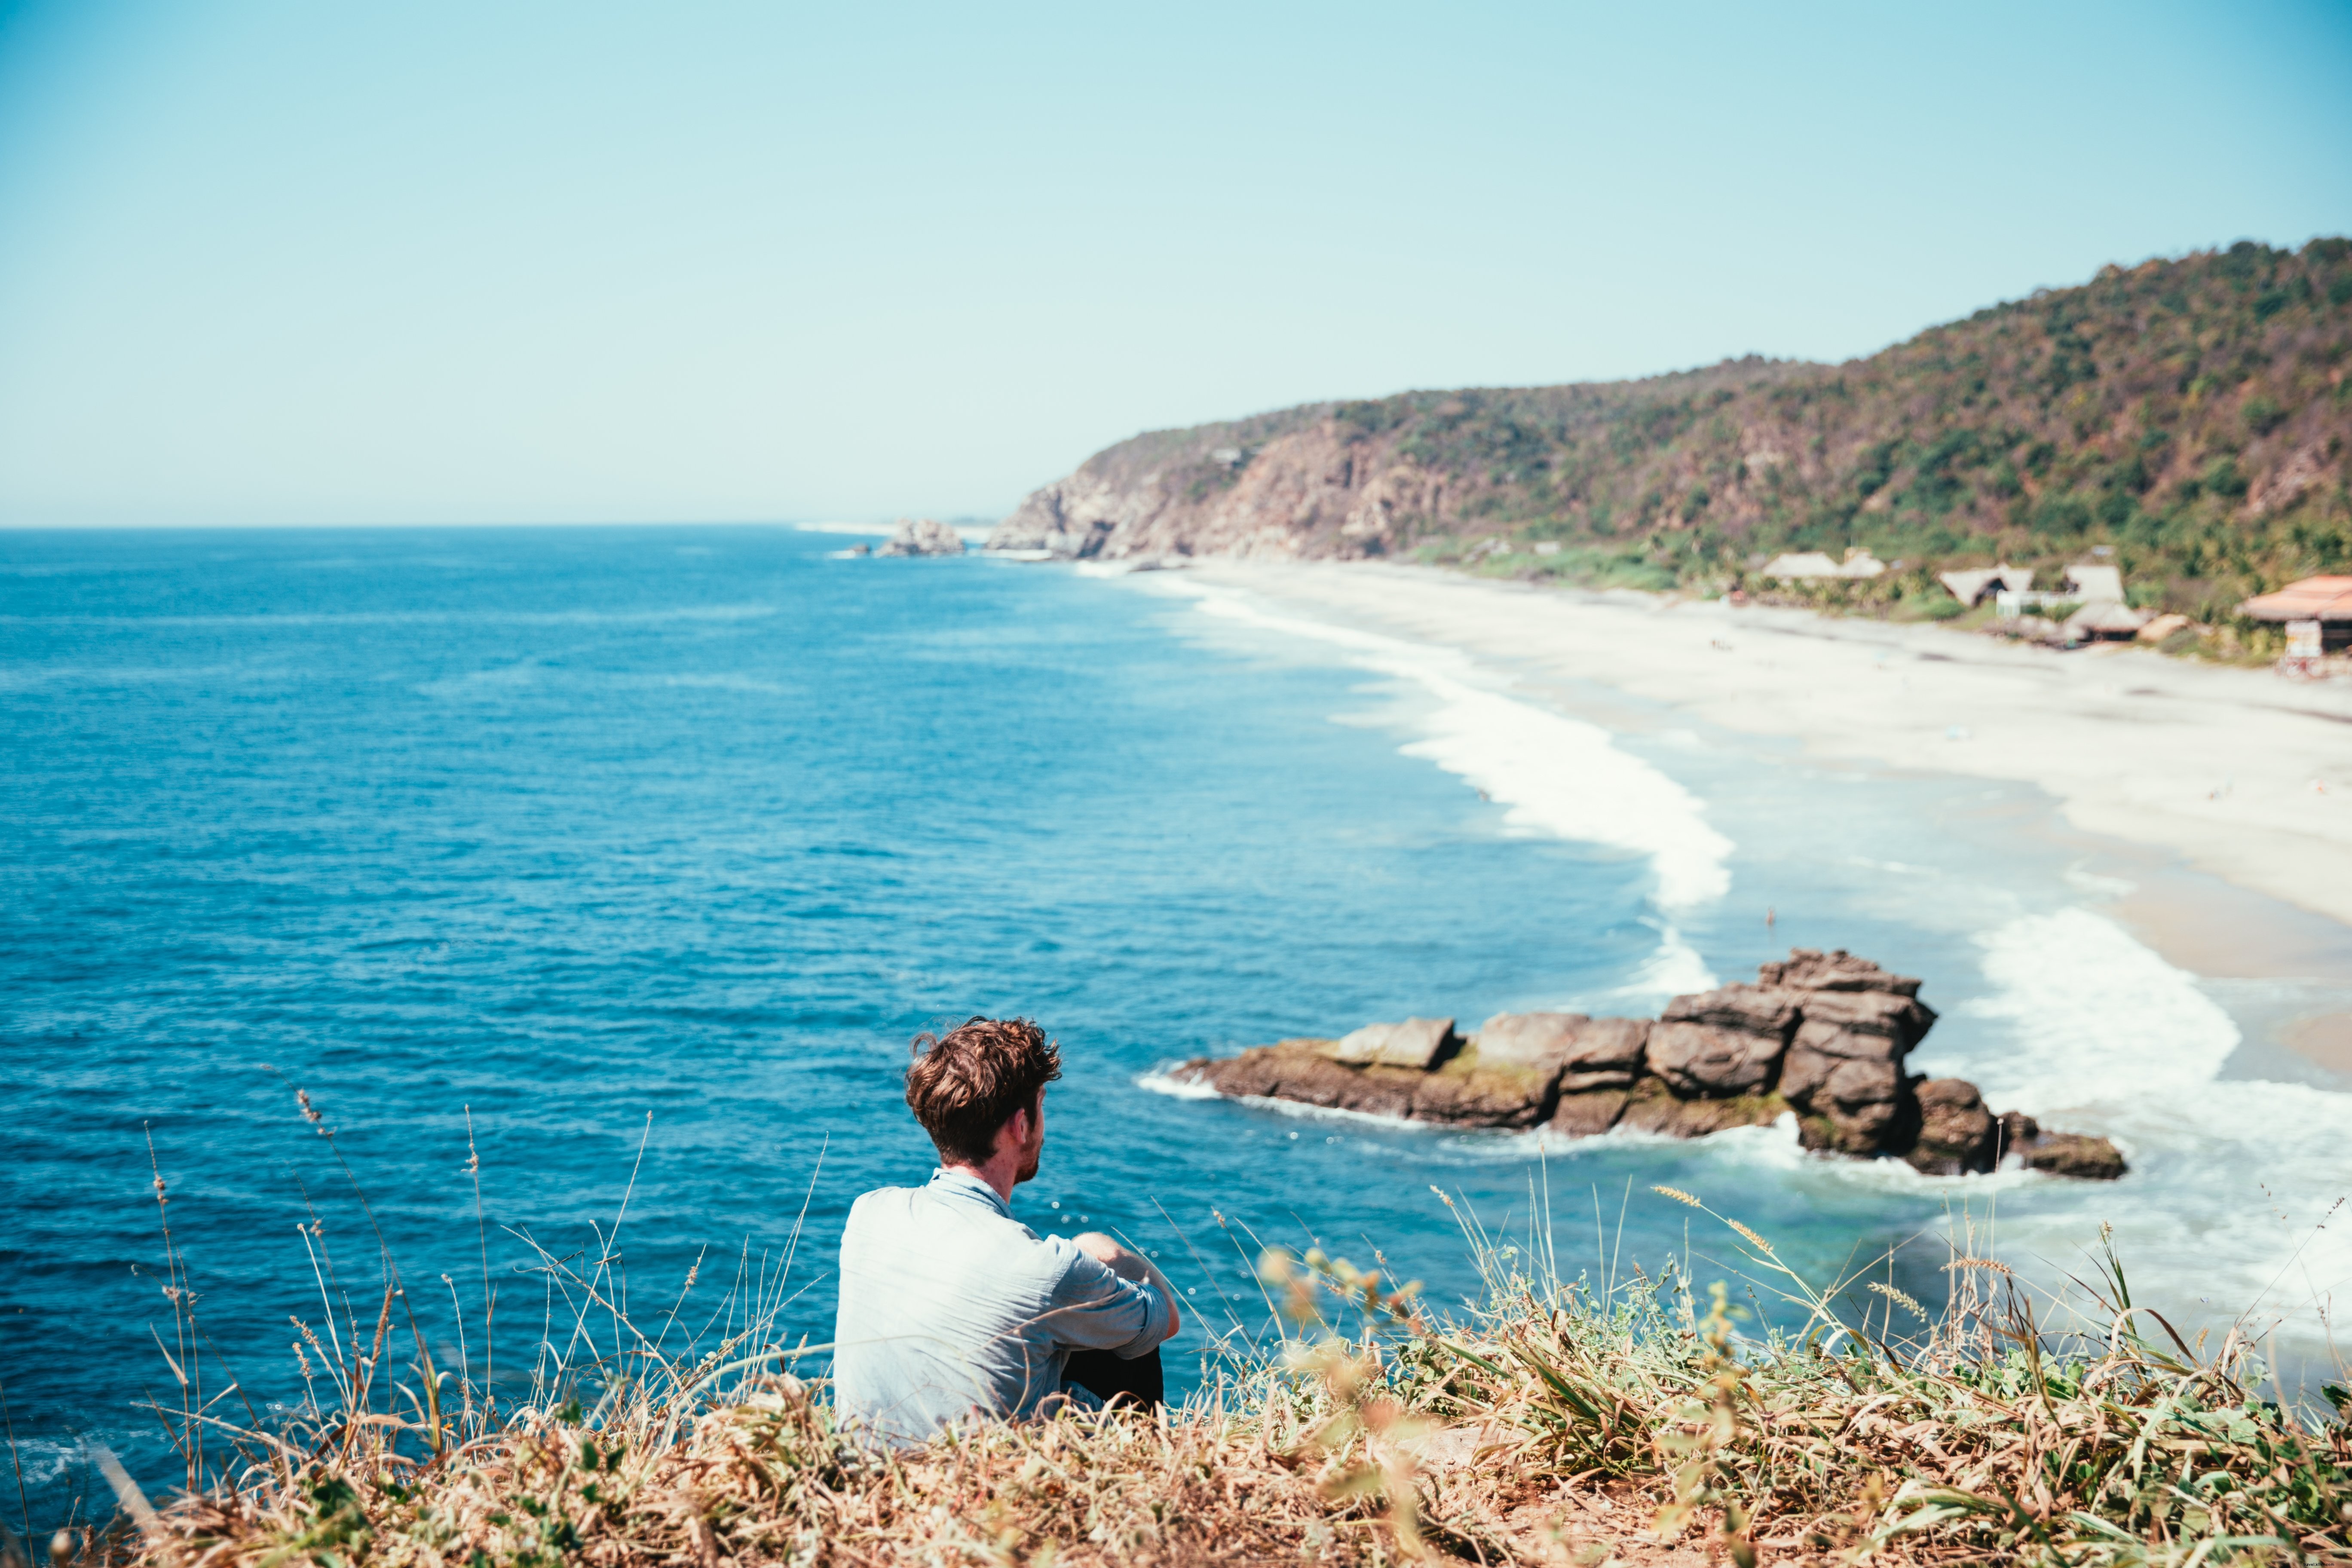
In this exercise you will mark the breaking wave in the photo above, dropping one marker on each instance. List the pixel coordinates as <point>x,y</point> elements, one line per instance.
<point>1556,776</point>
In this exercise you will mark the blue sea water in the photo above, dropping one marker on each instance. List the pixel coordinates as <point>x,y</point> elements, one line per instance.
<point>643,853</point>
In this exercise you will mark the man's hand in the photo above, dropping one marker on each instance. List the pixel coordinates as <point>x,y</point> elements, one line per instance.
<point>1133,1266</point>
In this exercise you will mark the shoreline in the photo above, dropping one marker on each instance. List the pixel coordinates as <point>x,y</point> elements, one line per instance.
<point>2234,788</point>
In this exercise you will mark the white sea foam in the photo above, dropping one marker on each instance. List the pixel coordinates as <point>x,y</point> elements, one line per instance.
<point>1162,1081</point>
<point>2091,1012</point>
<point>1557,777</point>
<point>1297,1110</point>
<point>1676,969</point>
<point>2231,1178</point>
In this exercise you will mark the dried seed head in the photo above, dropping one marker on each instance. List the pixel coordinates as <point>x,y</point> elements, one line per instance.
<point>1750,1235</point>
<point>1679,1196</point>
<point>1900,1299</point>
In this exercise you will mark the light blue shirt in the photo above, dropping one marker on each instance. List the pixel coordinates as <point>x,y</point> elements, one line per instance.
<point>951,1308</point>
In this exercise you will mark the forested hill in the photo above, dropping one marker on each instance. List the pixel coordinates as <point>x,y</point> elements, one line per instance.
<point>2192,415</point>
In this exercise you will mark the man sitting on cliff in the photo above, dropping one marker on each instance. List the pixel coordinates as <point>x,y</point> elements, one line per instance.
<point>951,1308</point>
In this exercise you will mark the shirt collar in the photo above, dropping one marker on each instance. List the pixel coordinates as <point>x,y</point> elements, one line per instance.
<point>962,1186</point>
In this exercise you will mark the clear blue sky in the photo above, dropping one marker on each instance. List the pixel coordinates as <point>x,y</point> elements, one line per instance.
<point>290,262</point>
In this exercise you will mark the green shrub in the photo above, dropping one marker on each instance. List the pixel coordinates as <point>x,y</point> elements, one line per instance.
<point>2222,478</point>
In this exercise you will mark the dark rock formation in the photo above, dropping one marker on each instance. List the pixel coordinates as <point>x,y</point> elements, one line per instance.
<point>1420,1044</point>
<point>1302,1071</point>
<point>1459,1091</point>
<point>1837,970</point>
<point>1955,1135</point>
<point>1652,1106</point>
<point>1588,1113</point>
<point>1722,1043</point>
<point>923,536</point>
<point>1469,1095</point>
<point>1824,1034</point>
<point>1844,1068</point>
<point>2059,1153</point>
<point>1585,1053</point>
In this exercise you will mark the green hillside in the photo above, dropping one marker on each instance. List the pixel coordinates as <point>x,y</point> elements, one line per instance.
<point>2192,415</point>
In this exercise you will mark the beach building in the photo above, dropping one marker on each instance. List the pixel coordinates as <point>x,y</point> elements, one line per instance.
<point>2106,615</point>
<point>1969,588</point>
<point>2096,585</point>
<point>2101,612</point>
<point>2325,602</point>
<point>2103,621</point>
<point>1815,563</point>
<point>1807,564</point>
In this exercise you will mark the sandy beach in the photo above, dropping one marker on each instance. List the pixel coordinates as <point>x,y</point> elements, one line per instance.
<point>2241,774</point>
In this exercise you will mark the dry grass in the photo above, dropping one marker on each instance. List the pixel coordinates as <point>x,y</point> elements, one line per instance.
<point>1559,1422</point>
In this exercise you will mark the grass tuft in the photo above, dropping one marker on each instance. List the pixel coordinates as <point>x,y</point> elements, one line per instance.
<point>1553,1420</point>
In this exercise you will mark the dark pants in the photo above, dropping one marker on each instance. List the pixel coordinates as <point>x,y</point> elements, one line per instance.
<point>1136,1385</point>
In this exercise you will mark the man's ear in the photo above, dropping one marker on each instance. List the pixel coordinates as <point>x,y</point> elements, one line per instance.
<point>1016,1128</point>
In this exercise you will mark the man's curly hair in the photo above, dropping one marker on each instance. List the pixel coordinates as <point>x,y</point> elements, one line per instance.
<point>965,1085</point>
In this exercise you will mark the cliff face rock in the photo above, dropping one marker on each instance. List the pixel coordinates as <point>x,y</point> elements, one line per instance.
<point>2153,410</point>
<point>1350,480</point>
<point>923,536</point>
<point>1295,484</point>
<point>1824,1036</point>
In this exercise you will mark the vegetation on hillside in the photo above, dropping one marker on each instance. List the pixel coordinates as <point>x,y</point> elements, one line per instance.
<point>2191,416</point>
<point>2188,418</point>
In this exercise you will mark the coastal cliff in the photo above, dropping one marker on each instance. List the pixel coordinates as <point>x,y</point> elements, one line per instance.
<point>1823,1036</point>
<point>2190,416</point>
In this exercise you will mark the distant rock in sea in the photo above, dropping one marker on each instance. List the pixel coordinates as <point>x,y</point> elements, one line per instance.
<point>1823,1036</point>
<point>923,536</point>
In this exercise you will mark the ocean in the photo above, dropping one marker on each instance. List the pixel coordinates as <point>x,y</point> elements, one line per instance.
<point>628,861</point>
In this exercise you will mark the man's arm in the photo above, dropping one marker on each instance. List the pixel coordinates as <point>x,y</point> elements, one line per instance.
<point>1133,1265</point>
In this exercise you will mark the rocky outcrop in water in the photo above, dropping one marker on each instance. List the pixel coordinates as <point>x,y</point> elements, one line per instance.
<point>1824,1036</point>
<point>923,536</point>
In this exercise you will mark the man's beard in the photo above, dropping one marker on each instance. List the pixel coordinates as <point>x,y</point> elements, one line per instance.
<point>1030,1161</point>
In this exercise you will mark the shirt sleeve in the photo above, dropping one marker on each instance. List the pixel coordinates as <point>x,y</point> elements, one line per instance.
<point>1093,1309</point>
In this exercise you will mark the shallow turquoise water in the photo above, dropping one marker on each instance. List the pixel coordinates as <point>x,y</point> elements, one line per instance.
<point>678,835</point>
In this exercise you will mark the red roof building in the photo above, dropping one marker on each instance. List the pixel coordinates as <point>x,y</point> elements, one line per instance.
<point>2327,600</point>
<point>2313,599</point>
